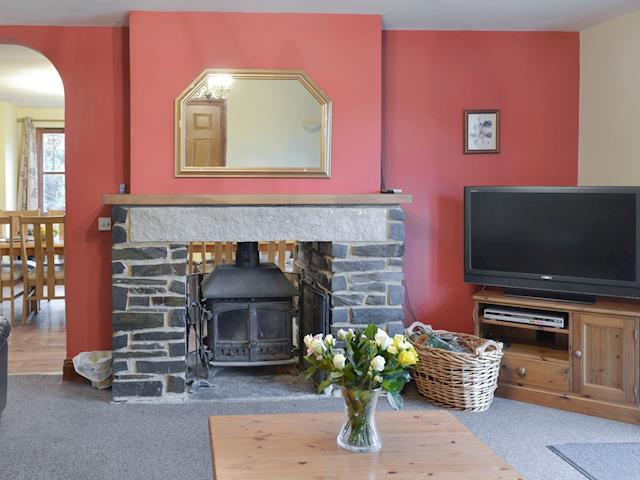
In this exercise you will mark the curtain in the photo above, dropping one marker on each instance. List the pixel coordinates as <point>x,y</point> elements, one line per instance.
<point>28,170</point>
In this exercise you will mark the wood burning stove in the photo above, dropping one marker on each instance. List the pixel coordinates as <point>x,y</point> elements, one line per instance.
<point>249,308</point>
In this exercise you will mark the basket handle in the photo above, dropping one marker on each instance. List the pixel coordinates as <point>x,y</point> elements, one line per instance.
<point>479,351</point>
<point>411,327</point>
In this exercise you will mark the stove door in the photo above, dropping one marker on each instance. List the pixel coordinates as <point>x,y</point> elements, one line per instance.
<point>231,331</point>
<point>272,327</point>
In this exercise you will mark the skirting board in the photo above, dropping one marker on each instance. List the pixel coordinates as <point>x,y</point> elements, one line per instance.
<point>571,403</point>
<point>69,373</point>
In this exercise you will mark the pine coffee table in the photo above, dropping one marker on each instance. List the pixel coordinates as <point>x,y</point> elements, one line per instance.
<point>415,445</point>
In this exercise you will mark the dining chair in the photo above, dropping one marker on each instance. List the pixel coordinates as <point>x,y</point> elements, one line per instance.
<point>276,253</point>
<point>11,270</point>
<point>40,283</point>
<point>203,257</point>
<point>60,232</point>
<point>58,213</point>
<point>15,217</point>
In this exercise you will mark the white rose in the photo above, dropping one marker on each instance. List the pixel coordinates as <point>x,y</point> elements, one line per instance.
<point>378,363</point>
<point>392,350</point>
<point>308,339</point>
<point>317,346</point>
<point>339,361</point>
<point>351,331</point>
<point>329,340</point>
<point>382,339</point>
<point>378,378</point>
<point>342,334</point>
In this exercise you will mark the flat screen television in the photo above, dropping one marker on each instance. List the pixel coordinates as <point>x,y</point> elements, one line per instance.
<point>550,241</point>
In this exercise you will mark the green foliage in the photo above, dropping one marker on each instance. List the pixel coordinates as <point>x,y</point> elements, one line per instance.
<point>395,400</point>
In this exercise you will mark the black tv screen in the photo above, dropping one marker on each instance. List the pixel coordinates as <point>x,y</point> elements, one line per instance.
<point>565,239</point>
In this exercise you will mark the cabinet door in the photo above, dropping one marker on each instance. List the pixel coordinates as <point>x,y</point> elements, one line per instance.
<point>605,350</point>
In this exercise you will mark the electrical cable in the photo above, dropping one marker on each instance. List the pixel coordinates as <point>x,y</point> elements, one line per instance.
<point>406,296</point>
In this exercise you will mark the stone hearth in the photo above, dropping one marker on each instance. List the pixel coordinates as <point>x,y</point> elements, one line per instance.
<point>353,252</point>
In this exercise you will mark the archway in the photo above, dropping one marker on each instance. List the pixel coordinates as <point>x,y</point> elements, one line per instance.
<point>32,187</point>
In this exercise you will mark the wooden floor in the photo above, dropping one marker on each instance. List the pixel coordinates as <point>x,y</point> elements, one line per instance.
<point>39,346</point>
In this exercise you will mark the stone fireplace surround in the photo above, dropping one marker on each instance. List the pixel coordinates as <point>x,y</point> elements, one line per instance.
<point>351,245</point>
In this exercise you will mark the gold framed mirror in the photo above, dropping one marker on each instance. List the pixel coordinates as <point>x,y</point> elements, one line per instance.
<point>252,123</point>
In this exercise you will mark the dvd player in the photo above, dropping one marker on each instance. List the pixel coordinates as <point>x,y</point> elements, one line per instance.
<point>530,317</point>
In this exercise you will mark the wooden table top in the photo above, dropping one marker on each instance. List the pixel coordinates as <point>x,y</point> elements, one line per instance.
<point>4,244</point>
<point>415,445</point>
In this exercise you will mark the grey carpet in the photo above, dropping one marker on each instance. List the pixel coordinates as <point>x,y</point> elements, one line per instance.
<point>54,431</point>
<point>602,461</point>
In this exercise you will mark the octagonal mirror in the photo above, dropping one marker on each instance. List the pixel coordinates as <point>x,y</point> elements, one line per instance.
<point>252,123</point>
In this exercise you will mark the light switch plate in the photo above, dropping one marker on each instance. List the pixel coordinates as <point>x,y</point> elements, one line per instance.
<point>104,224</point>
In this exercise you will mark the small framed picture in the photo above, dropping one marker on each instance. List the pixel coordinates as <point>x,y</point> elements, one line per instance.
<point>481,131</point>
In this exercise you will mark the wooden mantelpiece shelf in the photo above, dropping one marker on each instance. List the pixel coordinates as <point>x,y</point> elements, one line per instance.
<point>264,199</point>
<point>591,367</point>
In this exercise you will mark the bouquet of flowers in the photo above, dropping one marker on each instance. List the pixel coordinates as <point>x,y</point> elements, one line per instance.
<point>370,360</point>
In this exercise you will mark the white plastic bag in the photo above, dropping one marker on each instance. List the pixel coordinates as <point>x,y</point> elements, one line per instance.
<point>95,366</point>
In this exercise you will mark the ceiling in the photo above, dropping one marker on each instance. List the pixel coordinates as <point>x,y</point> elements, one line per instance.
<point>28,79</point>
<point>571,15</point>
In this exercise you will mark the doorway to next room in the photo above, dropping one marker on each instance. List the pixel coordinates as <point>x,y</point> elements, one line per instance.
<point>32,210</point>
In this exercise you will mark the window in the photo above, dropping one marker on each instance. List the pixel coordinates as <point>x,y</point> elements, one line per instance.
<point>51,169</point>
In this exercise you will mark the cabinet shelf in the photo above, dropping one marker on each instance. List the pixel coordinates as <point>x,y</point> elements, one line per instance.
<point>525,326</point>
<point>537,352</point>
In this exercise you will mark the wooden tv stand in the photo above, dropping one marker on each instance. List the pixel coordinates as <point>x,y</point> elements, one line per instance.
<point>591,367</point>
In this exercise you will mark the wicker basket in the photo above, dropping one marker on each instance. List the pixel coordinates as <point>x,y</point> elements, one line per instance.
<point>463,381</point>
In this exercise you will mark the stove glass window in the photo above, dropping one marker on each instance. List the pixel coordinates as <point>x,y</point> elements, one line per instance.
<point>272,323</point>
<point>233,325</point>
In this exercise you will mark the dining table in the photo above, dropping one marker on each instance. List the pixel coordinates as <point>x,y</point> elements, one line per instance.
<point>30,245</point>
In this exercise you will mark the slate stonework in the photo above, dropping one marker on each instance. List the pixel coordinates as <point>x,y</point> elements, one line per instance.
<point>148,287</point>
<point>364,279</point>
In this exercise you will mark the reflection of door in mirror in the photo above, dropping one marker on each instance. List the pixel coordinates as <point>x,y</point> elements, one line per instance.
<point>206,133</point>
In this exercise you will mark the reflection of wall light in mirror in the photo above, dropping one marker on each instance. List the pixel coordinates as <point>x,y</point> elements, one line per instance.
<point>218,87</point>
<point>311,126</point>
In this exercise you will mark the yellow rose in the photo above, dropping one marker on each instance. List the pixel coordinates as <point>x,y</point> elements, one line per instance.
<point>397,340</point>
<point>407,358</point>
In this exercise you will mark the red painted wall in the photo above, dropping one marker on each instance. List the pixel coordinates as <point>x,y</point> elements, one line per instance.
<point>429,78</point>
<point>93,64</point>
<point>341,53</point>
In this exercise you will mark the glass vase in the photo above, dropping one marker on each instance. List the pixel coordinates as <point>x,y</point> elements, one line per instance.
<point>359,432</point>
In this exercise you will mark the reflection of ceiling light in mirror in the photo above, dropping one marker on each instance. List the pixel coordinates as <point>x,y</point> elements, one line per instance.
<point>46,82</point>
<point>311,126</point>
<point>218,86</point>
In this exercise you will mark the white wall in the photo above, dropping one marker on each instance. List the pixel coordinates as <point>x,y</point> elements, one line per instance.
<point>37,114</point>
<point>610,103</point>
<point>8,155</point>
<point>11,145</point>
